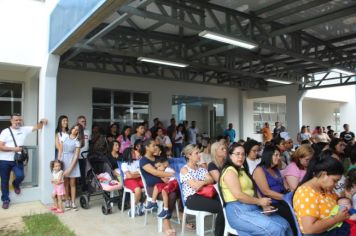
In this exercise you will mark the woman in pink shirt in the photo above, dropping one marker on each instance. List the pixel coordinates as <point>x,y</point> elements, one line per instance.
<point>125,139</point>
<point>295,171</point>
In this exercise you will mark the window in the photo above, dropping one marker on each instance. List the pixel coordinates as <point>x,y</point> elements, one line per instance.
<point>209,113</point>
<point>11,99</point>
<point>268,112</point>
<point>123,107</point>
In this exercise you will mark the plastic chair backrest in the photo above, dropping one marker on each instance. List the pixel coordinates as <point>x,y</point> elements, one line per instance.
<point>144,182</point>
<point>180,187</point>
<point>216,186</point>
<point>177,163</point>
<point>288,198</point>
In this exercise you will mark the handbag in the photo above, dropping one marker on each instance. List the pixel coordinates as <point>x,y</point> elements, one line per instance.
<point>22,157</point>
<point>207,191</point>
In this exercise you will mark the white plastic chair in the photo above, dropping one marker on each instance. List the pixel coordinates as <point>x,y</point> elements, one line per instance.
<point>127,190</point>
<point>228,229</point>
<point>160,207</point>
<point>199,216</point>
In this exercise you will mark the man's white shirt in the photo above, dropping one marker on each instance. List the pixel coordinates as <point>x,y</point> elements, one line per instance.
<point>20,135</point>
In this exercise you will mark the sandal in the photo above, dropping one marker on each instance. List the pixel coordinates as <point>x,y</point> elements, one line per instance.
<point>190,226</point>
<point>53,208</point>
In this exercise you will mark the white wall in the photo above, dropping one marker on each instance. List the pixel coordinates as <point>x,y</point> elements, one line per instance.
<point>319,112</point>
<point>24,32</point>
<point>75,93</point>
<point>346,95</point>
<point>24,56</point>
<point>339,94</point>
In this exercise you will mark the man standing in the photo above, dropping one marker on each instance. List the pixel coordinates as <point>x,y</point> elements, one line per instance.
<point>277,129</point>
<point>266,133</point>
<point>83,151</point>
<point>347,135</point>
<point>193,133</point>
<point>231,133</point>
<point>153,129</point>
<point>7,152</point>
<point>172,130</point>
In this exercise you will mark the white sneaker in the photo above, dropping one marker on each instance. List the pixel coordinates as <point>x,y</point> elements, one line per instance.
<point>67,204</point>
<point>74,207</point>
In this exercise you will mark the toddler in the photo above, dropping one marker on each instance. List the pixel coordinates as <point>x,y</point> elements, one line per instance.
<point>58,185</point>
<point>169,185</point>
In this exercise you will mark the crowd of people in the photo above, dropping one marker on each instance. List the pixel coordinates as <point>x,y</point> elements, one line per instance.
<point>253,177</point>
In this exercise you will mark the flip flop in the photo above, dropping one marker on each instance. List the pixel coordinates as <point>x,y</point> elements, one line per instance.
<point>53,208</point>
<point>59,211</point>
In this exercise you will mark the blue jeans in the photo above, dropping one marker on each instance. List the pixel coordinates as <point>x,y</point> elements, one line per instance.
<point>5,169</point>
<point>177,149</point>
<point>248,220</point>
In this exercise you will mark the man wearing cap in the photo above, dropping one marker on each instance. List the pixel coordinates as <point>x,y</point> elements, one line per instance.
<point>7,152</point>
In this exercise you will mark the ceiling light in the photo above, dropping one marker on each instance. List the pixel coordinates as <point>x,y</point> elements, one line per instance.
<point>279,81</point>
<point>227,39</point>
<point>341,71</point>
<point>163,62</point>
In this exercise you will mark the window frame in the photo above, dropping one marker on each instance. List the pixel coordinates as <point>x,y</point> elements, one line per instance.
<point>263,113</point>
<point>131,121</point>
<point>21,100</point>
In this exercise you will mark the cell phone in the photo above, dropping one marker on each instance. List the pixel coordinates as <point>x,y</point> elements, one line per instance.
<point>270,211</point>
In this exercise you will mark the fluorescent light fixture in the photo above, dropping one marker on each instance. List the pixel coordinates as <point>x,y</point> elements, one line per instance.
<point>163,62</point>
<point>279,81</point>
<point>227,39</point>
<point>345,72</point>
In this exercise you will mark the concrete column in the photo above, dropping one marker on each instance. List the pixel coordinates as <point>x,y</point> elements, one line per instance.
<point>241,132</point>
<point>47,109</point>
<point>294,106</point>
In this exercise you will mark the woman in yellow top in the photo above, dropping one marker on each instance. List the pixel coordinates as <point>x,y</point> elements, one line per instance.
<point>243,208</point>
<point>315,198</point>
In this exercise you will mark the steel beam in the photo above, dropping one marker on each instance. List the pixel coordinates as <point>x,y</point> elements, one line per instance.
<point>294,10</point>
<point>307,23</point>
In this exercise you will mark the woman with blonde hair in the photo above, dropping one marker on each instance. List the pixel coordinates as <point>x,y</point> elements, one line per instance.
<point>218,153</point>
<point>295,171</point>
<point>194,178</point>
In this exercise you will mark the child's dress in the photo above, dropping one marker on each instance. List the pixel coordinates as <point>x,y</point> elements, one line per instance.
<point>69,147</point>
<point>58,189</point>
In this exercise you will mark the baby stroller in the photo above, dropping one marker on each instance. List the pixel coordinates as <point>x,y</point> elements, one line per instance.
<point>100,181</point>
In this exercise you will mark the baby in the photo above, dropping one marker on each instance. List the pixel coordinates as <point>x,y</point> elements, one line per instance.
<point>169,185</point>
